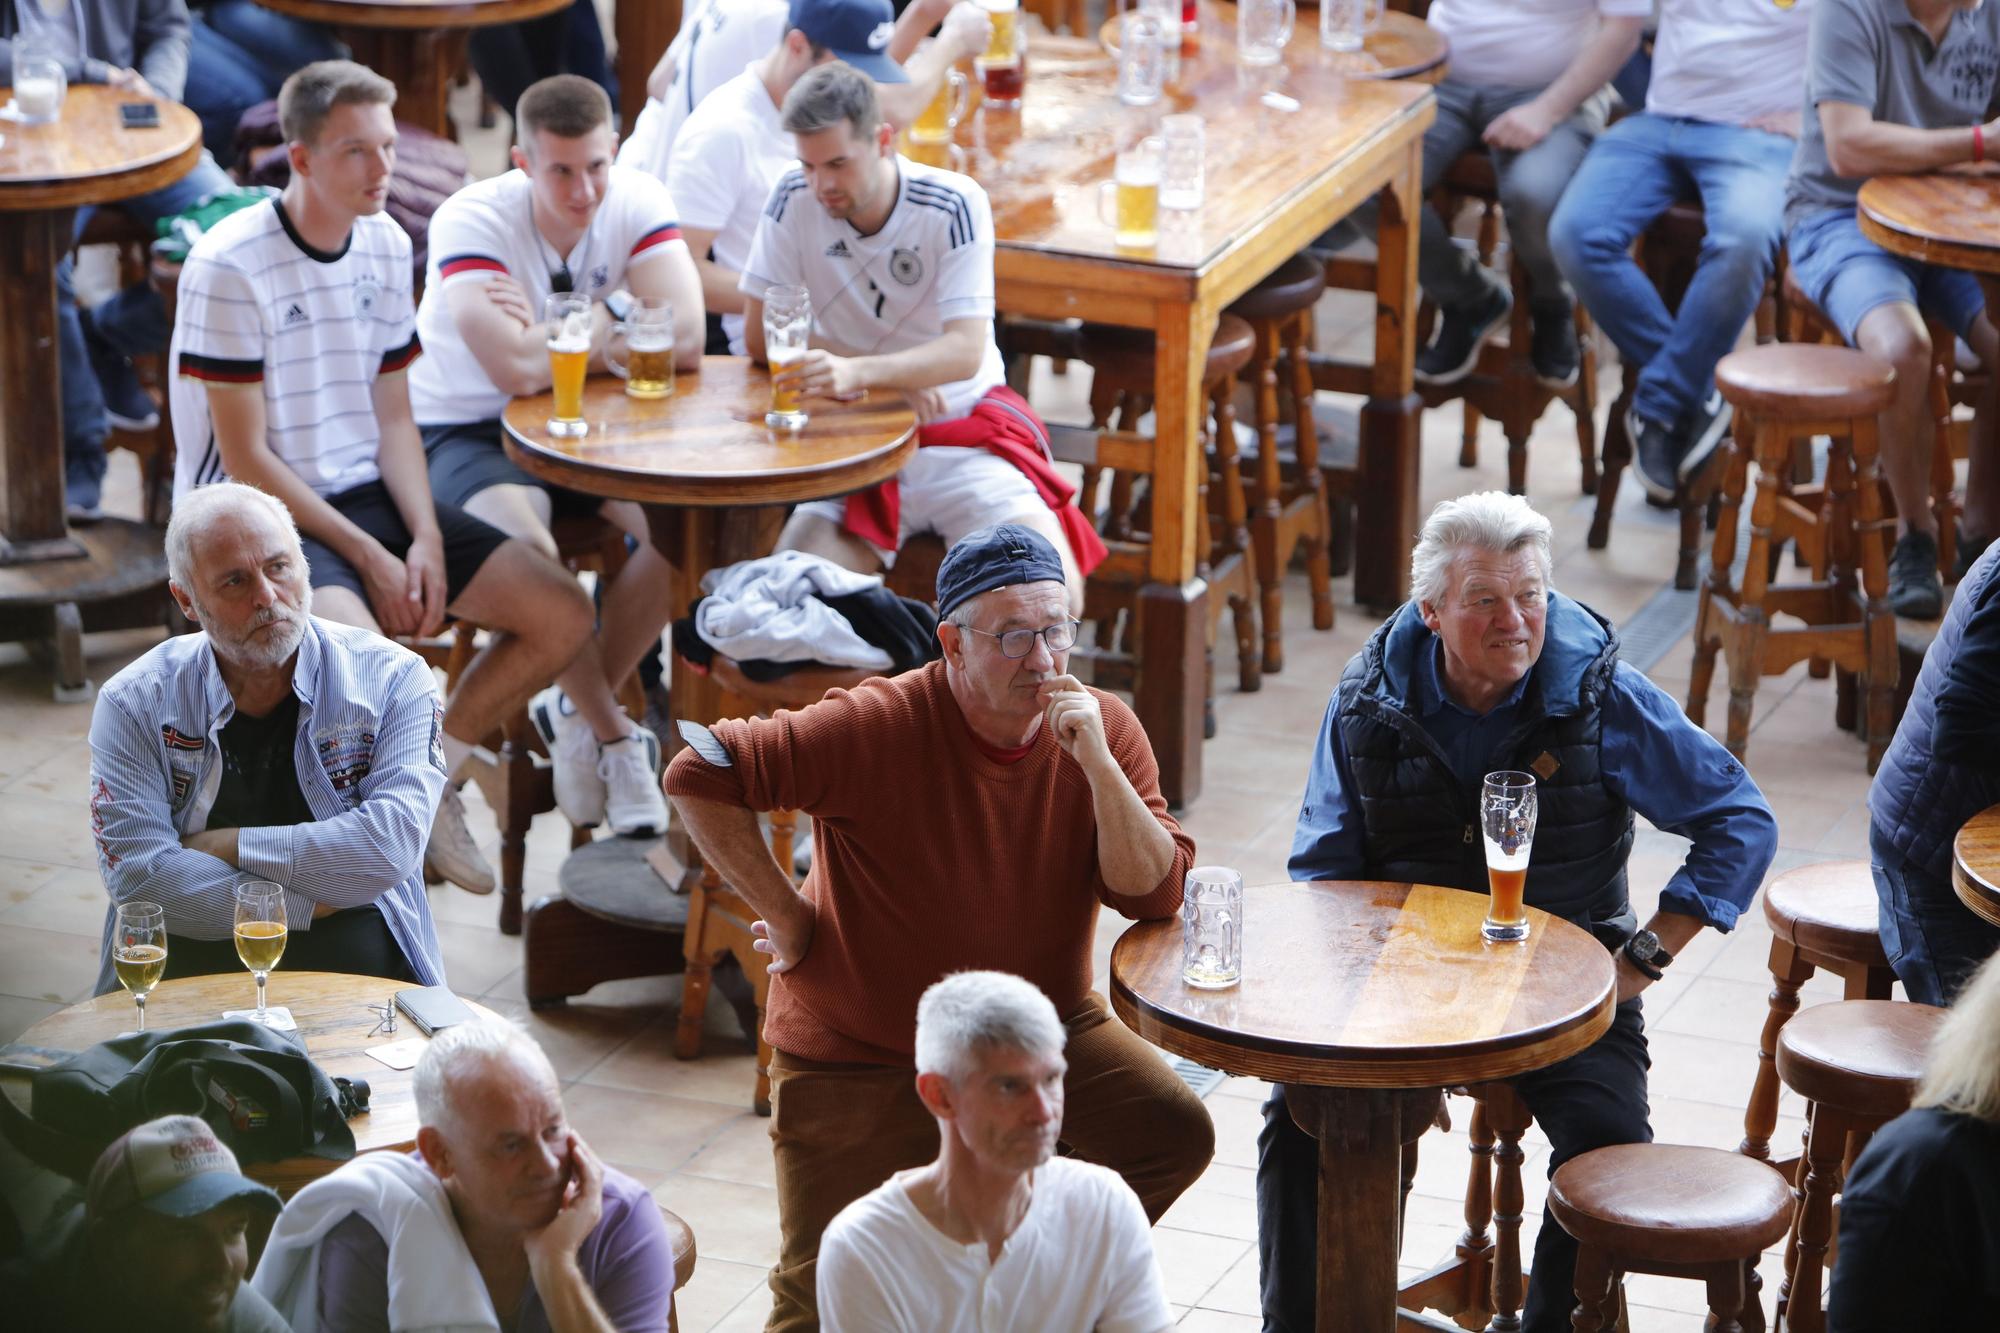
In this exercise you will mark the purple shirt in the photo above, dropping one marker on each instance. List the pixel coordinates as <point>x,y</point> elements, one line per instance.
<point>627,1259</point>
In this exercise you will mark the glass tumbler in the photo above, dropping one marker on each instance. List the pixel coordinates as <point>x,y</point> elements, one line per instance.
<point>1212,928</point>
<point>1183,152</point>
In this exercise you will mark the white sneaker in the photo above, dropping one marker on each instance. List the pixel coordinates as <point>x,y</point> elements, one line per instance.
<point>636,807</point>
<point>452,852</point>
<point>572,746</point>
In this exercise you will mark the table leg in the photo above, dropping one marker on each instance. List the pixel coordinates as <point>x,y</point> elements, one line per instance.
<point>1385,523</point>
<point>643,33</point>
<point>1361,1132</point>
<point>421,63</point>
<point>1173,604</point>
<point>31,431</point>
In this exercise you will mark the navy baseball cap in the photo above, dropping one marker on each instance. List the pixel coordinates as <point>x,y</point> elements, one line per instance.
<point>858,31</point>
<point>996,557</point>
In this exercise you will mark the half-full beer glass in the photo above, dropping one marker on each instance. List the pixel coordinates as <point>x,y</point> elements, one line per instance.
<point>648,333</point>
<point>787,330</point>
<point>1507,817</point>
<point>568,320</point>
<point>1133,196</point>
<point>941,117</point>
<point>1212,928</point>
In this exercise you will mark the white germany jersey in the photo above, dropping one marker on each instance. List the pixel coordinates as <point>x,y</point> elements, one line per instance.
<point>258,305</point>
<point>489,227</point>
<point>930,264</point>
<point>713,44</point>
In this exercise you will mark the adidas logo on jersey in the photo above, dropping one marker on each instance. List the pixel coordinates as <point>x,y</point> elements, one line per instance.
<point>295,315</point>
<point>838,250</point>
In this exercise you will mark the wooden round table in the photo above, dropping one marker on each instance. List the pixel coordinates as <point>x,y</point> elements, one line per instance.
<point>418,45</point>
<point>1949,218</point>
<point>1401,47</point>
<point>1975,864</point>
<point>328,1007</point>
<point>1364,999</point>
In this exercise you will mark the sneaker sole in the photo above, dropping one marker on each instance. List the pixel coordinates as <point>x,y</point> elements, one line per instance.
<point>135,425</point>
<point>654,762</point>
<point>1551,382</point>
<point>1479,341</point>
<point>1704,446</point>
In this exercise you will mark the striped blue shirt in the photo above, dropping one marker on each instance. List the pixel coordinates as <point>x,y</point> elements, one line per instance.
<point>370,764</point>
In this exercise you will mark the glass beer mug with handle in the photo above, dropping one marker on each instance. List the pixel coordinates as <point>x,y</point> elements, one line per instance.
<point>568,320</point>
<point>787,333</point>
<point>648,333</point>
<point>1263,27</point>
<point>944,113</point>
<point>139,950</point>
<point>1212,928</point>
<point>1130,201</point>
<point>1507,818</point>
<point>40,84</point>
<point>1344,25</point>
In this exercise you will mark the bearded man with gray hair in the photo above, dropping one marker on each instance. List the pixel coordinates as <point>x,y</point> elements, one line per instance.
<point>271,746</point>
<point>1489,668</point>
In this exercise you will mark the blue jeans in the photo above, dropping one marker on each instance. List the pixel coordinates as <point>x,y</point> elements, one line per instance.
<point>241,54</point>
<point>1933,940</point>
<point>1638,169</point>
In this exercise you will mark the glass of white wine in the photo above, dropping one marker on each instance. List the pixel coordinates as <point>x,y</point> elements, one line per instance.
<point>260,937</point>
<point>139,950</point>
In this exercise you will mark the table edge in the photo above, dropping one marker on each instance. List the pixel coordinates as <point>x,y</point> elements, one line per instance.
<point>32,194</point>
<point>1930,249</point>
<point>459,14</point>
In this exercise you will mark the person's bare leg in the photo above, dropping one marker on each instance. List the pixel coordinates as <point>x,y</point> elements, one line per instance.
<point>1043,520</point>
<point>1895,332</point>
<point>537,618</point>
<point>638,603</point>
<point>344,606</point>
<point>1982,475</point>
<point>817,535</point>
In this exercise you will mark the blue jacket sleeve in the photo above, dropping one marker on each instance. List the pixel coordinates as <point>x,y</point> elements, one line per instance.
<point>1328,841</point>
<point>1966,729</point>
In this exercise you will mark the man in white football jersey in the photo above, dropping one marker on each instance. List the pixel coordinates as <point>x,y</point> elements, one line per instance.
<point>293,331</point>
<point>565,220</point>
<point>898,258</point>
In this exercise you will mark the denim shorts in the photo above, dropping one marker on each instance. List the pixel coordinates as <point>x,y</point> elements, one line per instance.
<point>1847,275</point>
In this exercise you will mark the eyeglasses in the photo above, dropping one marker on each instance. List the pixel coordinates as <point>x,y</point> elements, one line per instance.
<point>1018,643</point>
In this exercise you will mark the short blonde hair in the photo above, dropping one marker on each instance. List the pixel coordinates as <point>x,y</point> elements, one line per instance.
<point>1490,521</point>
<point>1962,1072</point>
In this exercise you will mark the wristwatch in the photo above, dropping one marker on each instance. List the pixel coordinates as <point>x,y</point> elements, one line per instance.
<point>1643,951</point>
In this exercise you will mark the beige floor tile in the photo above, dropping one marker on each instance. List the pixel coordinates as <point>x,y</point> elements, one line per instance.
<point>1236,1292</point>
<point>726,1071</point>
<point>576,1037</point>
<point>48,828</point>
<point>658,1133</point>
<point>716,1287</point>
<point>749,1316</point>
<point>476,957</point>
<point>740,1152</point>
<point>19,880</point>
<point>1216,1321</point>
<point>47,964</point>
<point>1212,1213</point>
<point>1236,1124</point>
<point>1192,1263</point>
<point>731,1221</point>
<point>73,902</point>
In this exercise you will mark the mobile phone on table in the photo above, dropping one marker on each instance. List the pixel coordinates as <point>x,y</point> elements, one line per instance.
<point>139,115</point>
<point>433,1008</point>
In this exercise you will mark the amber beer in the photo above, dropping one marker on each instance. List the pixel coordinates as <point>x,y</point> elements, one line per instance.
<point>260,944</point>
<point>139,967</point>
<point>1506,885</point>
<point>1507,810</point>
<point>649,371</point>
<point>1135,191</point>
<point>784,393</point>
<point>941,117</point>
<point>567,363</point>
<point>1005,35</point>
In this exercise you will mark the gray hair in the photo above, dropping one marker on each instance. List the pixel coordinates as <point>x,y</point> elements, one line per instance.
<point>452,1051</point>
<point>971,1012</point>
<point>1490,521</point>
<point>829,94</point>
<point>200,509</point>
<point>309,96</point>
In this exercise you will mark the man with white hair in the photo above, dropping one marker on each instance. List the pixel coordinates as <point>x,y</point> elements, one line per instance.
<point>998,1233</point>
<point>272,745</point>
<point>1488,668</point>
<point>501,1218</point>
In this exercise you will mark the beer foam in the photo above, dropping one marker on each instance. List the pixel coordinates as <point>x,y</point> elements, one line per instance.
<point>569,343</point>
<point>575,326</point>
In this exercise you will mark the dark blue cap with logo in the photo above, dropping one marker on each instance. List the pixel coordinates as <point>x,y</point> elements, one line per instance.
<point>858,31</point>
<point>996,557</point>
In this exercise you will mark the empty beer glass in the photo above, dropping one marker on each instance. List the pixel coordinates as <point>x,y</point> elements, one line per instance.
<point>787,332</point>
<point>1183,159</point>
<point>568,320</point>
<point>1345,24</point>
<point>1212,928</point>
<point>1130,201</point>
<point>1142,57</point>
<point>648,334</point>
<point>1263,27</point>
<point>1507,817</point>
<point>40,83</point>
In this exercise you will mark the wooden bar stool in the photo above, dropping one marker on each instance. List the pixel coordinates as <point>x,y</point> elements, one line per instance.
<point>1821,916</point>
<point>1856,1063</point>
<point>1288,503</point>
<point>1483,1280</point>
<point>1783,393</point>
<point>1674,1211</point>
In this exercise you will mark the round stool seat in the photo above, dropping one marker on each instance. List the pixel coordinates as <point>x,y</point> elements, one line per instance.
<point>1671,1204</point>
<point>1126,355</point>
<point>1863,1056</point>
<point>1295,285</point>
<point>611,879</point>
<point>1828,909</point>
<point>1797,381</point>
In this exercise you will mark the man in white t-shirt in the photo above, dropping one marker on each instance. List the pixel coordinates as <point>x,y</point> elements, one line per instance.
<point>564,220</point>
<point>292,333</point>
<point>733,149</point>
<point>1528,81</point>
<point>898,259</point>
<point>1721,123</point>
<point>997,1234</point>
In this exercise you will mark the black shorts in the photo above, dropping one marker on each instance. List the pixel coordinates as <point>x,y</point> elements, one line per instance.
<point>466,457</point>
<point>467,541</point>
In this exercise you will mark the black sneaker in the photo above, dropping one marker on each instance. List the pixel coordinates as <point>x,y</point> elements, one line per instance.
<point>1461,333</point>
<point>83,493</point>
<point>1552,349</point>
<point>1656,451</point>
<point>1705,431</point>
<point>1968,551</point>
<point>1915,590</point>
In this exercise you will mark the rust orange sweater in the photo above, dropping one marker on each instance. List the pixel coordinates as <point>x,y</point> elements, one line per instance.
<point>928,857</point>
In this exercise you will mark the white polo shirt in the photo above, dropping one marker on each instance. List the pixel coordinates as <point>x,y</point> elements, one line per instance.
<point>1521,43</point>
<point>727,158</point>
<point>709,49</point>
<point>931,263</point>
<point>260,306</point>
<point>489,227</point>
<point>1082,1258</point>
<point>1729,61</point>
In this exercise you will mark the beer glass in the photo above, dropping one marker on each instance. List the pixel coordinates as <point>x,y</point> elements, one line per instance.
<point>1133,195</point>
<point>568,318</point>
<point>1142,58</point>
<point>787,330</point>
<point>1003,41</point>
<point>1212,928</point>
<point>1507,817</point>
<point>648,331</point>
<point>139,950</point>
<point>260,938</point>
<point>941,117</point>
<point>39,82</point>
<point>1262,29</point>
<point>1168,12</point>
<point>1183,156</point>
<point>1345,24</point>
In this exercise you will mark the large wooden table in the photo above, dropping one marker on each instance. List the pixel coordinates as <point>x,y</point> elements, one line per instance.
<point>418,45</point>
<point>1364,1000</point>
<point>1402,46</point>
<point>1950,218</point>
<point>329,1009</point>
<point>1277,178</point>
<point>1975,864</point>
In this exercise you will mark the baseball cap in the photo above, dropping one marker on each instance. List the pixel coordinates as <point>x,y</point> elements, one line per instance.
<point>996,557</point>
<point>174,1166</point>
<point>858,31</point>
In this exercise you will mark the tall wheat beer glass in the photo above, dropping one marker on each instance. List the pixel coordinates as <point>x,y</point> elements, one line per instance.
<point>568,319</point>
<point>1507,817</point>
